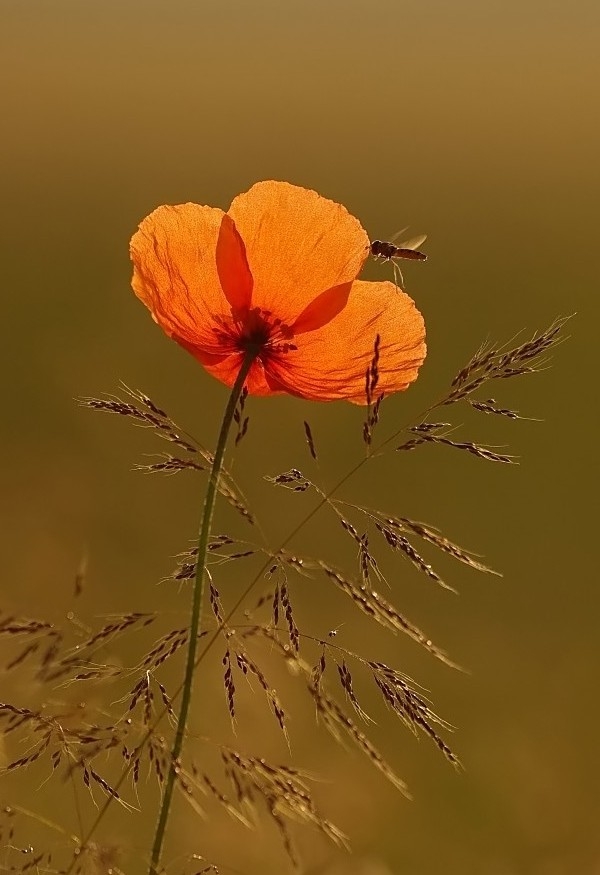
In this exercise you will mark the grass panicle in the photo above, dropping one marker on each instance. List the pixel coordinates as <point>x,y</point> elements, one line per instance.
<point>505,362</point>
<point>284,791</point>
<point>292,479</point>
<point>148,415</point>
<point>123,723</point>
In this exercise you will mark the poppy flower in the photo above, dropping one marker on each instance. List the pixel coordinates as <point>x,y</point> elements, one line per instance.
<point>276,276</point>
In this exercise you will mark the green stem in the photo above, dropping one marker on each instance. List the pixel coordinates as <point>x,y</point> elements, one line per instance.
<point>197,598</point>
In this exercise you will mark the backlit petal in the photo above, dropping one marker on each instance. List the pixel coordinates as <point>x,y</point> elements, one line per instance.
<point>298,245</point>
<point>227,367</point>
<point>190,271</point>
<point>331,362</point>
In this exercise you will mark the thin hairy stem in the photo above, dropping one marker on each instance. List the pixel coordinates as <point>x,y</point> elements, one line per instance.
<point>196,612</point>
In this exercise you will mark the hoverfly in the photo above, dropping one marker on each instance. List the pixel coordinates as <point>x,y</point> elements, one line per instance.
<point>388,251</point>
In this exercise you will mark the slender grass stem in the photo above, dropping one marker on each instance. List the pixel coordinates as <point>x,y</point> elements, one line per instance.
<point>196,612</point>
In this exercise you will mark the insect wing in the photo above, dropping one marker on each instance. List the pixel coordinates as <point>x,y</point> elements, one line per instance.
<point>398,235</point>
<point>408,248</point>
<point>413,243</point>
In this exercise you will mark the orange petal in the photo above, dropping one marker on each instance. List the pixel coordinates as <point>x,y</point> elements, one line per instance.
<point>232,267</point>
<point>227,367</point>
<point>298,245</point>
<point>322,309</point>
<point>331,362</point>
<point>190,270</point>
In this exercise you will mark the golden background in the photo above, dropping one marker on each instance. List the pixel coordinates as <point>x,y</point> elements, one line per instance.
<point>474,122</point>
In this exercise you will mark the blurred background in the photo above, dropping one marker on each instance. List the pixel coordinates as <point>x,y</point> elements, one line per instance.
<point>475,123</point>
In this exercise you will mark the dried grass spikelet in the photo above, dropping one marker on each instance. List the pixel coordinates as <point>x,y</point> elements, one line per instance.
<point>285,792</point>
<point>147,414</point>
<point>408,704</point>
<point>377,608</point>
<point>501,363</point>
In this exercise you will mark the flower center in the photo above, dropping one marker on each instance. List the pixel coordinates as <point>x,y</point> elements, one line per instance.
<point>256,331</point>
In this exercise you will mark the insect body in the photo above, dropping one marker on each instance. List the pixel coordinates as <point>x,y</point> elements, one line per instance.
<point>387,251</point>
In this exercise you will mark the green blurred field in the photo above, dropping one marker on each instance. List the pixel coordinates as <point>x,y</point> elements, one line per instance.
<point>476,123</point>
